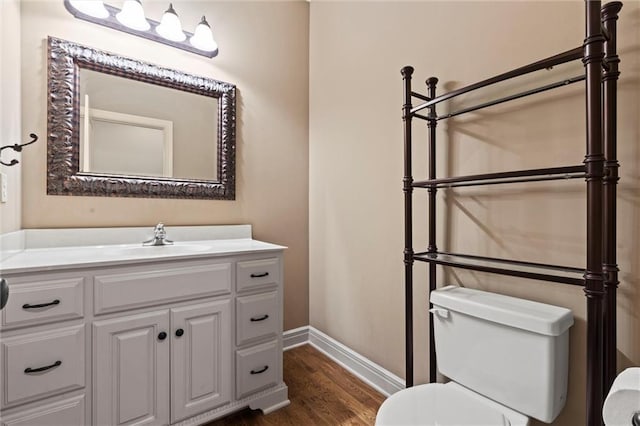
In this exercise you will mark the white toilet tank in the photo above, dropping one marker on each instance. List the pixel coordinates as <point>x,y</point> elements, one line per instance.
<point>511,350</point>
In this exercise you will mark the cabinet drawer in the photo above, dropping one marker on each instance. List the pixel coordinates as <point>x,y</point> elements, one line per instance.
<point>258,273</point>
<point>257,316</point>
<point>44,301</point>
<point>256,368</point>
<point>69,412</point>
<point>41,364</point>
<point>140,287</point>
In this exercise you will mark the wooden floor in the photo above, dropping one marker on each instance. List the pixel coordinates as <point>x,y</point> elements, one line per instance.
<point>321,393</point>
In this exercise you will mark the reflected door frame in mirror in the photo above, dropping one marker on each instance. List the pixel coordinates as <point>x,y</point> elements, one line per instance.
<point>63,114</point>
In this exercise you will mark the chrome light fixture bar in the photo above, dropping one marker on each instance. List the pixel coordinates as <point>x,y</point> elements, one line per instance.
<point>114,18</point>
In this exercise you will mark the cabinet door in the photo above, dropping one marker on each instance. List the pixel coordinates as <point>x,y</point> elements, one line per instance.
<point>131,370</point>
<point>200,358</point>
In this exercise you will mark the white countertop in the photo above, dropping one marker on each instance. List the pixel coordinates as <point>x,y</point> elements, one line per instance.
<point>49,257</point>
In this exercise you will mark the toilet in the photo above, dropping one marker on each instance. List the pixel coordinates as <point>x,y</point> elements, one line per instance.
<point>506,358</point>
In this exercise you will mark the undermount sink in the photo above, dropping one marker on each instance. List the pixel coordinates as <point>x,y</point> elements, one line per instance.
<point>163,250</point>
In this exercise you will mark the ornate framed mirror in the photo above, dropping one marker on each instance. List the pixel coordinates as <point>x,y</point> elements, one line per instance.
<point>120,127</point>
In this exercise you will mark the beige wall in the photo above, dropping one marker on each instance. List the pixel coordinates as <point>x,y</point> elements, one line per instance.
<point>10,131</point>
<point>356,156</point>
<point>264,51</point>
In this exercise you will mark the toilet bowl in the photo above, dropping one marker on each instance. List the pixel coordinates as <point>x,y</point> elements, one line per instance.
<point>507,359</point>
<point>449,404</point>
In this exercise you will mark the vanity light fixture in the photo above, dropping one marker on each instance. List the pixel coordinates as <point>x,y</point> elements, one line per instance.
<point>203,37</point>
<point>132,16</point>
<point>170,26</point>
<point>130,19</point>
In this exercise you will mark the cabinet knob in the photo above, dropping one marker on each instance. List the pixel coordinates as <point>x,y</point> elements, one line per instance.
<point>179,332</point>
<point>162,335</point>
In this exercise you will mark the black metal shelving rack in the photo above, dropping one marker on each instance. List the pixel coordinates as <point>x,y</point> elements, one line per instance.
<point>599,169</point>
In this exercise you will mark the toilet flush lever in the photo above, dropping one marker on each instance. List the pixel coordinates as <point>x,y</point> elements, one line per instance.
<point>442,313</point>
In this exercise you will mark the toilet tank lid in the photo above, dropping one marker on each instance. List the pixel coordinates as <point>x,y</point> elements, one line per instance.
<point>536,317</point>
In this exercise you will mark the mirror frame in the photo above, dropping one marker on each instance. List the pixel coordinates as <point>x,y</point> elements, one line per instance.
<point>64,177</point>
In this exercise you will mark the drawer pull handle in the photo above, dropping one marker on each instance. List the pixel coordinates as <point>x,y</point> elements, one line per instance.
<point>262,318</point>
<point>262,370</point>
<point>264,274</point>
<point>40,369</point>
<point>41,305</point>
<point>162,335</point>
<point>4,292</point>
<point>179,332</point>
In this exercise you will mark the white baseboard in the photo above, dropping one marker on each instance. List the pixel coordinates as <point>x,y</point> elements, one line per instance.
<point>366,370</point>
<point>295,337</point>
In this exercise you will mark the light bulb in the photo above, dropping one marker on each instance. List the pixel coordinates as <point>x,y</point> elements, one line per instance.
<point>170,27</point>
<point>132,16</point>
<point>93,8</point>
<point>203,38</point>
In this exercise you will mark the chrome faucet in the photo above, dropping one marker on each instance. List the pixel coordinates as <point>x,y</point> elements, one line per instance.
<point>159,237</point>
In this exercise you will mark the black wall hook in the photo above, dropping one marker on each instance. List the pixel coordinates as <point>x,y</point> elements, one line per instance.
<point>17,148</point>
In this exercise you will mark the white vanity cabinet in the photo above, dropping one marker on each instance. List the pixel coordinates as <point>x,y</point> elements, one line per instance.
<point>175,342</point>
<point>147,363</point>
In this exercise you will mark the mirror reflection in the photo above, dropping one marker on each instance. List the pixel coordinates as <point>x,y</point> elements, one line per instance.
<point>134,128</point>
